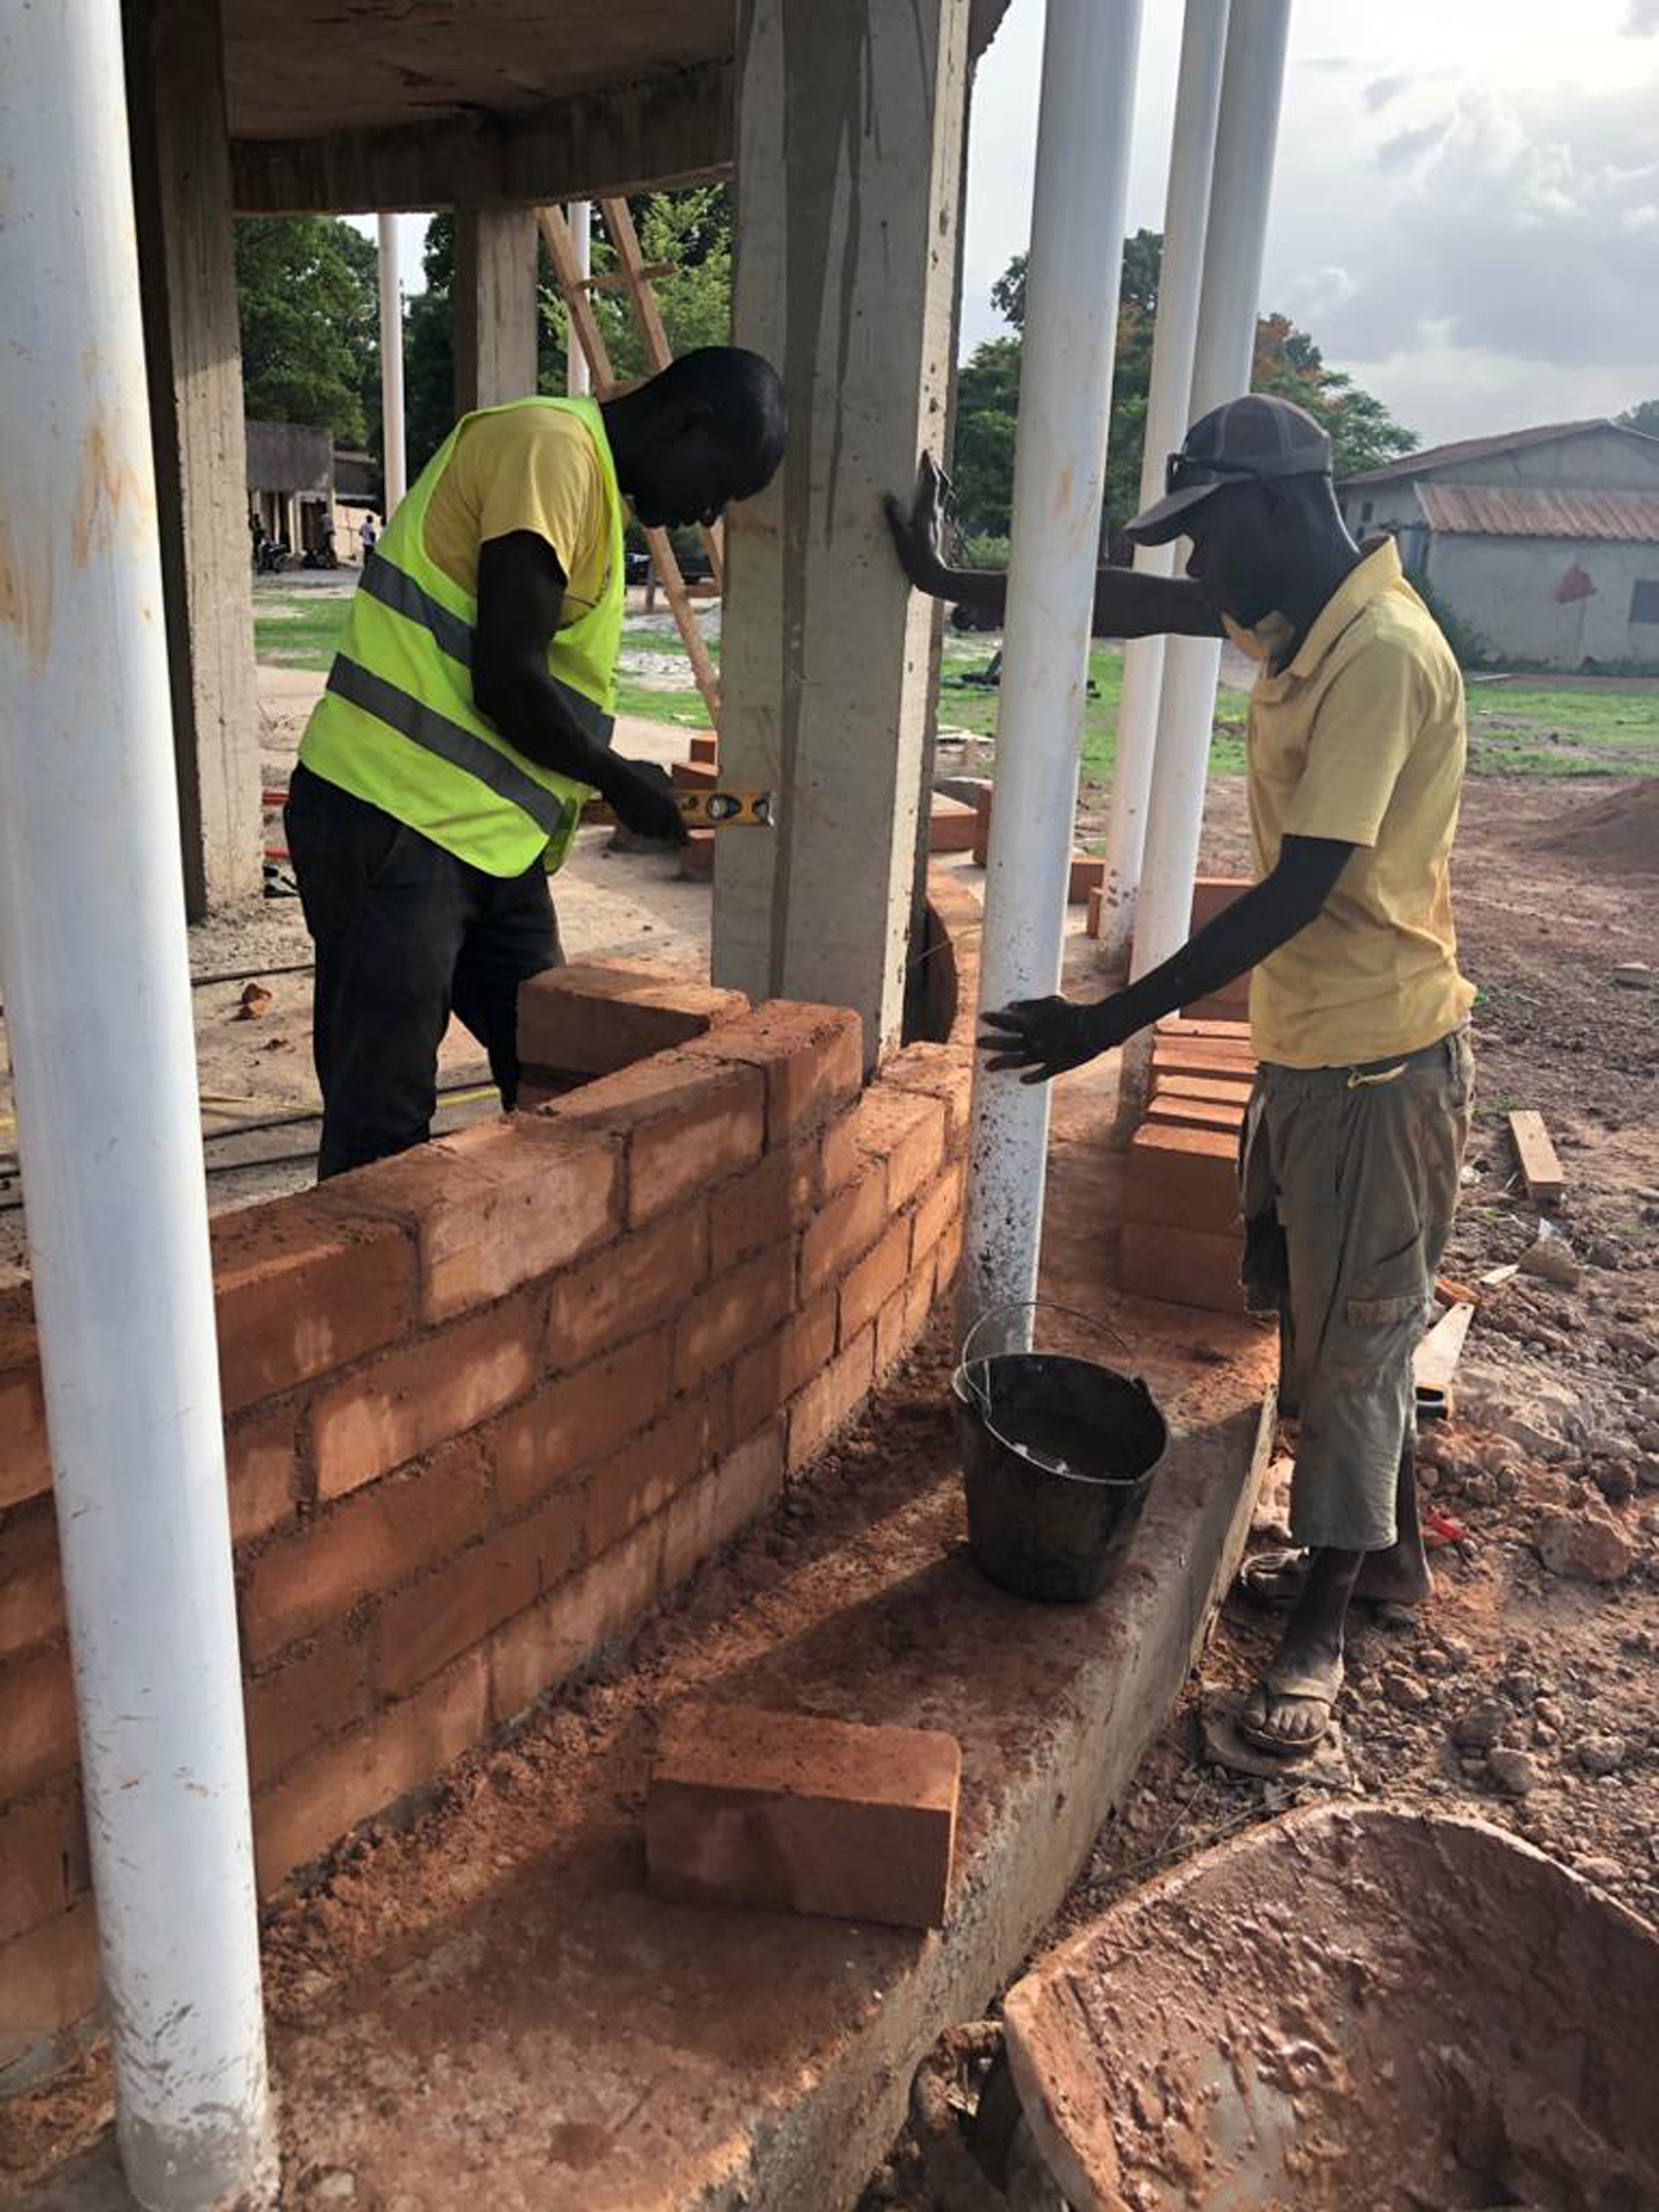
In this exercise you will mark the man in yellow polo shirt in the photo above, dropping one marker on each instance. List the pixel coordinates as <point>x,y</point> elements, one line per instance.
<point>1356,1129</point>
<point>468,715</point>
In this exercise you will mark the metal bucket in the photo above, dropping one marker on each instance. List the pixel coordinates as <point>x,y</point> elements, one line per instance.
<point>1058,1457</point>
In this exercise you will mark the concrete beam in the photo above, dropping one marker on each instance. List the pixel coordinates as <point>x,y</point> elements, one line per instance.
<point>669,130</point>
<point>849,168</point>
<point>493,306</point>
<point>192,343</point>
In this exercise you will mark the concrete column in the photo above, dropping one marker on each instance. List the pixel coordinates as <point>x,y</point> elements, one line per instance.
<point>849,136</point>
<point>493,303</point>
<point>192,344</point>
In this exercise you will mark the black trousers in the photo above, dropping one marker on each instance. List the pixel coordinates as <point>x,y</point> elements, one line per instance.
<point>406,934</point>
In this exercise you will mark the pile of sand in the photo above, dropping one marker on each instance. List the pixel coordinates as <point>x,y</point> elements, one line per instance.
<point>1616,836</point>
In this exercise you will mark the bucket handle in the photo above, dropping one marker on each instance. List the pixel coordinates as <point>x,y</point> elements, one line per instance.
<point>1026,1305</point>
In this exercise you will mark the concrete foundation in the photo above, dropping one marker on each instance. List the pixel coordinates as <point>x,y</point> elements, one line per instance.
<point>181,178</point>
<point>493,304</point>
<point>845,279</point>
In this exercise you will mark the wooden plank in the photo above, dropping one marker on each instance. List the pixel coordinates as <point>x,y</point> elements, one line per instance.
<point>1441,1349</point>
<point>1546,1179</point>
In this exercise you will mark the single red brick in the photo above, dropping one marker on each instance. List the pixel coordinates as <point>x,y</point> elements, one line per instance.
<point>765,1206</point>
<point>49,1979</point>
<point>1230,1032</point>
<point>710,1511</point>
<point>1182,1266</point>
<point>919,1294</point>
<point>769,1375</point>
<point>1214,1058</point>
<point>952,825</point>
<point>591,1020</point>
<point>731,1313</point>
<point>697,856</point>
<point>868,1286</point>
<point>367,1542</point>
<point>1181,1179</point>
<point>812,1058</point>
<point>263,1471</point>
<point>436,1619</point>
<point>688,1123</point>
<point>945,1072</point>
<point>43,1859</point>
<point>982,826</point>
<point>703,745</point>
<point>303,1286</point>
<point>31,1581</point>
<point>1214,1090</point>
<point>639,1480</point>
<point>1214,894</point>
<point>25,1465</point>
<point>847,1226</point>
<point>405,1747</point>
<point>563,1630</point>
<point>830,1399</point>
<point>494,1206</point>
<point>791,1812</point>
<point>411,1399</point>
<point>902,1132</point>
<point>580,1417</point>
<point>1096,907</point>
<point>1195,1114</point>
<point>626,1286</point>
<point>948,1255</point>
<point>319,1693</point>
<point>38,1737</point>
<point>940,1205</point>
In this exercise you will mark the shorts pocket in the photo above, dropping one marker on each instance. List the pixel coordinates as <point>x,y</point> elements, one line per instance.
<point>1383,1313</point>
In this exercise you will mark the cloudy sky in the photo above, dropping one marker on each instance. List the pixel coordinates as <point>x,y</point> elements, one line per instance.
<point>1465,209</point>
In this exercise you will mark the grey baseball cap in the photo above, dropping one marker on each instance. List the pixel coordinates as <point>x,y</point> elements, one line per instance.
<point>1255,437</point>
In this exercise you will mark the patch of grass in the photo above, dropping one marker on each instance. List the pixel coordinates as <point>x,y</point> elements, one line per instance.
<point>1537,730</point>
<point>299,629</point>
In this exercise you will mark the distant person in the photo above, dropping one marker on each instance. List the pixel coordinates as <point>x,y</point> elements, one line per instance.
<point>468,716</point>
<point>1356,1128</point>
<point>367,535</point>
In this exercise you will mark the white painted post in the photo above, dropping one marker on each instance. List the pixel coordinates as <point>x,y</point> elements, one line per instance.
<point>392,368</point>
<point>97,995</point>
<point>579,216</point>
<point>1089,52</point>
<point>1175,336</point>
<point>1241,188</point>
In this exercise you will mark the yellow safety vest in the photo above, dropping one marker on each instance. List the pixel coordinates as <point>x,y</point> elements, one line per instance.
<point>397,725</point>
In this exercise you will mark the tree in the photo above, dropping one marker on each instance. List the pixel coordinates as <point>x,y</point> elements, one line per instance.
<point>1287,362</point>
<point>311,347</point>
<point>1643,417</point>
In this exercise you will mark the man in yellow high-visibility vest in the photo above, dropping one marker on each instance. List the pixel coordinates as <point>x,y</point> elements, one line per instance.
<point>468,715</point>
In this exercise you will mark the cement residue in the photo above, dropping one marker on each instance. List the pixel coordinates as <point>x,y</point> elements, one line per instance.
<point>1354,2008</point>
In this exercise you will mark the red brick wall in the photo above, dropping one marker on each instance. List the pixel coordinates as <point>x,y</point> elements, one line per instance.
<point>486,1402</point>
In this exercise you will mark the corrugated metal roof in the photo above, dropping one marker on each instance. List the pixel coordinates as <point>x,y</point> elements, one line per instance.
<point>1481,449</point>
<point>1494,511</point>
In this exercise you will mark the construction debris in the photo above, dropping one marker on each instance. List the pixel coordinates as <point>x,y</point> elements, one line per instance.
<point>1545,1178</point>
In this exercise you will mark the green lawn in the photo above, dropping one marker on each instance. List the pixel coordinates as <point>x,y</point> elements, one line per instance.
<point>1527,728</point>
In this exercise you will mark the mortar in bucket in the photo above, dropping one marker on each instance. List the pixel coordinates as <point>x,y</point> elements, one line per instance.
<point>1058,1457</point>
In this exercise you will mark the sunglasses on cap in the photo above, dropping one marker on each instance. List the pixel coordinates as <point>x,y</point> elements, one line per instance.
<point>1181,471</point>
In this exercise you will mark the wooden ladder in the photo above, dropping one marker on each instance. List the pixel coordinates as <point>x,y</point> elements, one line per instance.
<point>633,276</point>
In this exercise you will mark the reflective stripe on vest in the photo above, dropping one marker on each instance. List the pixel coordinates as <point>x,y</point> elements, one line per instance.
<point>397,725</point>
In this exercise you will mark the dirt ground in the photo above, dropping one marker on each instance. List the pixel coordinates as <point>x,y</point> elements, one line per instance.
<point>1525,1695</point>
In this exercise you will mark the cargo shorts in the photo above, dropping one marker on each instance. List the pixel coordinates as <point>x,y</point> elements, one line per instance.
<point>1349,1180</point>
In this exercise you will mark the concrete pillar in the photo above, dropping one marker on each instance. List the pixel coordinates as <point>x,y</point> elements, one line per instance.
<point>493,304</point>
<point>192,344</point>
<point>849,142</point>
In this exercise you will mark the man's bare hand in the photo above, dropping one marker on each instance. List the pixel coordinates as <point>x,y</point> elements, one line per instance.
<point>918,530</point>
<point>1040,1038</point>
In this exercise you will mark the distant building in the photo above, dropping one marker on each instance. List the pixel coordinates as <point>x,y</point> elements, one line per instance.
<point>356,494</point>
<point>290,483</point>
<point>1543,543</point>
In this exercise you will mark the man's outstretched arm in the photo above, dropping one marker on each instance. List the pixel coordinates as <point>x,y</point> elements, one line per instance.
<point>1128,604</point>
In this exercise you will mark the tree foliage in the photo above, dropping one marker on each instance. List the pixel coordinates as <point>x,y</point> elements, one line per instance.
<point>1643,417</point>
<point>1287,361</point>
<point>311,345</point>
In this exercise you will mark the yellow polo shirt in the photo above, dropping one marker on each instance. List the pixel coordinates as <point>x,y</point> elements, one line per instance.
<point>524,468</point>
<point>1362,737</point>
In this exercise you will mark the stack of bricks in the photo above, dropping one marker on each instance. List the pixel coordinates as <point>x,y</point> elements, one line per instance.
<point>1182,1235</point>
<point>487,1402</point>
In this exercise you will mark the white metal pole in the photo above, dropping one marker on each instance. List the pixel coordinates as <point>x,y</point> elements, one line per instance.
<point>392,368</point>
<point>1089,52</point>
<point>1247,136</point>
<point>1174,338</point>
<point>96,980</point>
<point>579,216</point>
